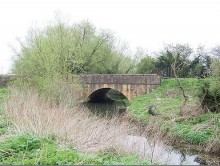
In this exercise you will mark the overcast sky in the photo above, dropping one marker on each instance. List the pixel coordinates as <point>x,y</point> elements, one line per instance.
<point>141,23</point>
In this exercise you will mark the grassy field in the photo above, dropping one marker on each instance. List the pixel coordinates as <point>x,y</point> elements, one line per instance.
<point>190,125</point>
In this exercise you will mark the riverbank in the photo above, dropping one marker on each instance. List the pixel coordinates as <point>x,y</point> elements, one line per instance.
<point>188,125</point>
<point>81,133</point>
<point>34,131</point>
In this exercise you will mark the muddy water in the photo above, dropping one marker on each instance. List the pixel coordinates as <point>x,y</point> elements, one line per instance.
<point>110,108</point>
<point>160,153</point>
<point>157,152</point>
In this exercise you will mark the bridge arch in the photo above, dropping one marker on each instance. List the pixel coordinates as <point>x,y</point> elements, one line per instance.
<point>106,94</point>
<point>130,85</point>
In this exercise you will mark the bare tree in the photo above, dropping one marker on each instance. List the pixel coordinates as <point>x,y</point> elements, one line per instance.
<point>175,67</point>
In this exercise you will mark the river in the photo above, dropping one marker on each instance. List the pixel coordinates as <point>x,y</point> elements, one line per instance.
<point>157,152</point>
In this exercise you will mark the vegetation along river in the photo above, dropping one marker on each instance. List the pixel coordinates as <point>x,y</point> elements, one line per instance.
<point>157,152</point>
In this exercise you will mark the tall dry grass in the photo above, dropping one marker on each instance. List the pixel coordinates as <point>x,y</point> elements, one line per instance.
<point>31,113</point>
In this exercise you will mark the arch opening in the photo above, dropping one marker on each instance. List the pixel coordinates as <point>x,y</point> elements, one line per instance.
<point>107,101</point>
<point>107,95</point>
<point>99,95</point>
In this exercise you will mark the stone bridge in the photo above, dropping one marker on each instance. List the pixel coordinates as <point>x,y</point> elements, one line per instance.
<point>97,85</point>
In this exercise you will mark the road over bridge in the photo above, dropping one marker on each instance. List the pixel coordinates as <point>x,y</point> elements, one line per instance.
<point>130,85</point>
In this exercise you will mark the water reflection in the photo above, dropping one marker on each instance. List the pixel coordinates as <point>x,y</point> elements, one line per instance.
<point>158,152</point>
<point>107,102</point>
<point>106,108</point>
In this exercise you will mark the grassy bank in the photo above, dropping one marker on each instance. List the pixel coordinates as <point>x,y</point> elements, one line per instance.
<point>32,150</point>
<point>190,125</point>
<point>44,133</point>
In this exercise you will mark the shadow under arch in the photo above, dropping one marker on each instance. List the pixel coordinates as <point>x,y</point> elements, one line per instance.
<point>107,102</point>
<point>107,94</point>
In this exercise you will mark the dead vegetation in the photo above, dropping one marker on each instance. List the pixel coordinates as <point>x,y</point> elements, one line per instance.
<point>75,126</point>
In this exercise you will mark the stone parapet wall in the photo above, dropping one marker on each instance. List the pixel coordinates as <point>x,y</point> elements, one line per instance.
<point>148,79</point>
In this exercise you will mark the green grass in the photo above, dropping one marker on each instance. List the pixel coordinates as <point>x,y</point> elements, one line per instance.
<point>3,124</point>
<point>3,121</point>
<point>200,130</point>
<point>3,93</point>
<point>32,150</point>
<point>167,98</point>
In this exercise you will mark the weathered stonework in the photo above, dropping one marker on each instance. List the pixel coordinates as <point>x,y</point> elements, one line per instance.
<point>130,85</point>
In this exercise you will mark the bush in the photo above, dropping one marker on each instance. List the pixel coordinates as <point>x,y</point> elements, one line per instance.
<point>57,88</point>
<point>215,67</point>
<point>210,95</point>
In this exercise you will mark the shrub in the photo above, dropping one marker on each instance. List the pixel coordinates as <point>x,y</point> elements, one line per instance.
<point>55,88</point>
<point>210,95</point>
